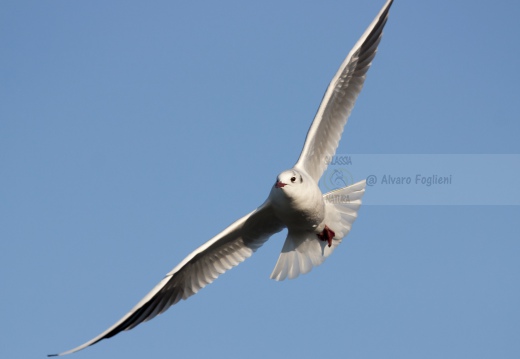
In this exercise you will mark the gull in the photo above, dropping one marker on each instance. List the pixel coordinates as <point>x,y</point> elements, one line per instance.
<point>316,223</point>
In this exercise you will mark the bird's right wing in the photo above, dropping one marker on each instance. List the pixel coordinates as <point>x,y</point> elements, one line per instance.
<point>201,267</point>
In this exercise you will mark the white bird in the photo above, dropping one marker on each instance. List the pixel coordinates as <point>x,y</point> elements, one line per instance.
<point>316,223</point>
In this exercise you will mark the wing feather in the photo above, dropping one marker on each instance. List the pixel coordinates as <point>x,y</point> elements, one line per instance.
<point>337,103</point>
<point>200,268</point>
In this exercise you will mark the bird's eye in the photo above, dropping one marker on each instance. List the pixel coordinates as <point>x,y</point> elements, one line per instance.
<point>293,179</point>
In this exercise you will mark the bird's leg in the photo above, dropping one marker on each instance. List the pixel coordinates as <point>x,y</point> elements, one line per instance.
<point>326,235</point>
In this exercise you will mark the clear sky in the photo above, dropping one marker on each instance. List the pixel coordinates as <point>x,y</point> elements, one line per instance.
<point>131,132</point>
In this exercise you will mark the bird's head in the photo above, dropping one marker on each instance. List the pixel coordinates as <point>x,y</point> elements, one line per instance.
<point>288,180</point>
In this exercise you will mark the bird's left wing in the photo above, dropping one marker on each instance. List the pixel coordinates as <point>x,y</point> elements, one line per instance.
<point>326,129</point>
<point>201,267</point>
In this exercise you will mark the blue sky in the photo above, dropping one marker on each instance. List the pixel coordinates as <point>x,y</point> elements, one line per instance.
<point>132,132</point>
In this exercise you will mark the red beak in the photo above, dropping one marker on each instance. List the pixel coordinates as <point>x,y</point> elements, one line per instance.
<point>280,184</point>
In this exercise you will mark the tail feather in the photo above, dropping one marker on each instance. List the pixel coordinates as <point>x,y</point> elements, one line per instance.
<point>303,250</point>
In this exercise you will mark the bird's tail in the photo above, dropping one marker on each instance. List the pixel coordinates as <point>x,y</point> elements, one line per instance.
<point>303,250</point>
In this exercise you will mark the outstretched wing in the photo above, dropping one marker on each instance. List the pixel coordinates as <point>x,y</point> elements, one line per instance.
<point>326,129</point>
<point>200,268</point>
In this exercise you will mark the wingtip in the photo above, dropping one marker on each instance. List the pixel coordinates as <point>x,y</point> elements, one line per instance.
<point>52,355</point>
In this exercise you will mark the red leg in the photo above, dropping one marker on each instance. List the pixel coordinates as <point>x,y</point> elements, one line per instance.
<point>326,235</point>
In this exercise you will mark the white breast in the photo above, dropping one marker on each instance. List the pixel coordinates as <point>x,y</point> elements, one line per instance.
<point>299,208</point>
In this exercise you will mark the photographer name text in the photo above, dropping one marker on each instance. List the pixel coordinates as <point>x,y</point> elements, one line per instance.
<point>418,179</point>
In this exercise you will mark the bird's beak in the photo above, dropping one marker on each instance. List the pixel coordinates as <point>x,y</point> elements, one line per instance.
<point>280,184</point>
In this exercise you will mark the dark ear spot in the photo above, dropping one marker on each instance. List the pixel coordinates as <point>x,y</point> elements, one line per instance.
<point>301,179</point>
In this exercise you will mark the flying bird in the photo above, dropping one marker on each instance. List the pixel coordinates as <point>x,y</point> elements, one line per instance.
<point>316,223</point>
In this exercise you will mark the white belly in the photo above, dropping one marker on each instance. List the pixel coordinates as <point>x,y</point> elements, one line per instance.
<point>305,212</point>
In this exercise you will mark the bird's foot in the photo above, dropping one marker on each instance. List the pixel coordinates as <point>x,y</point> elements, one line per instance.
<point>326,235</point>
